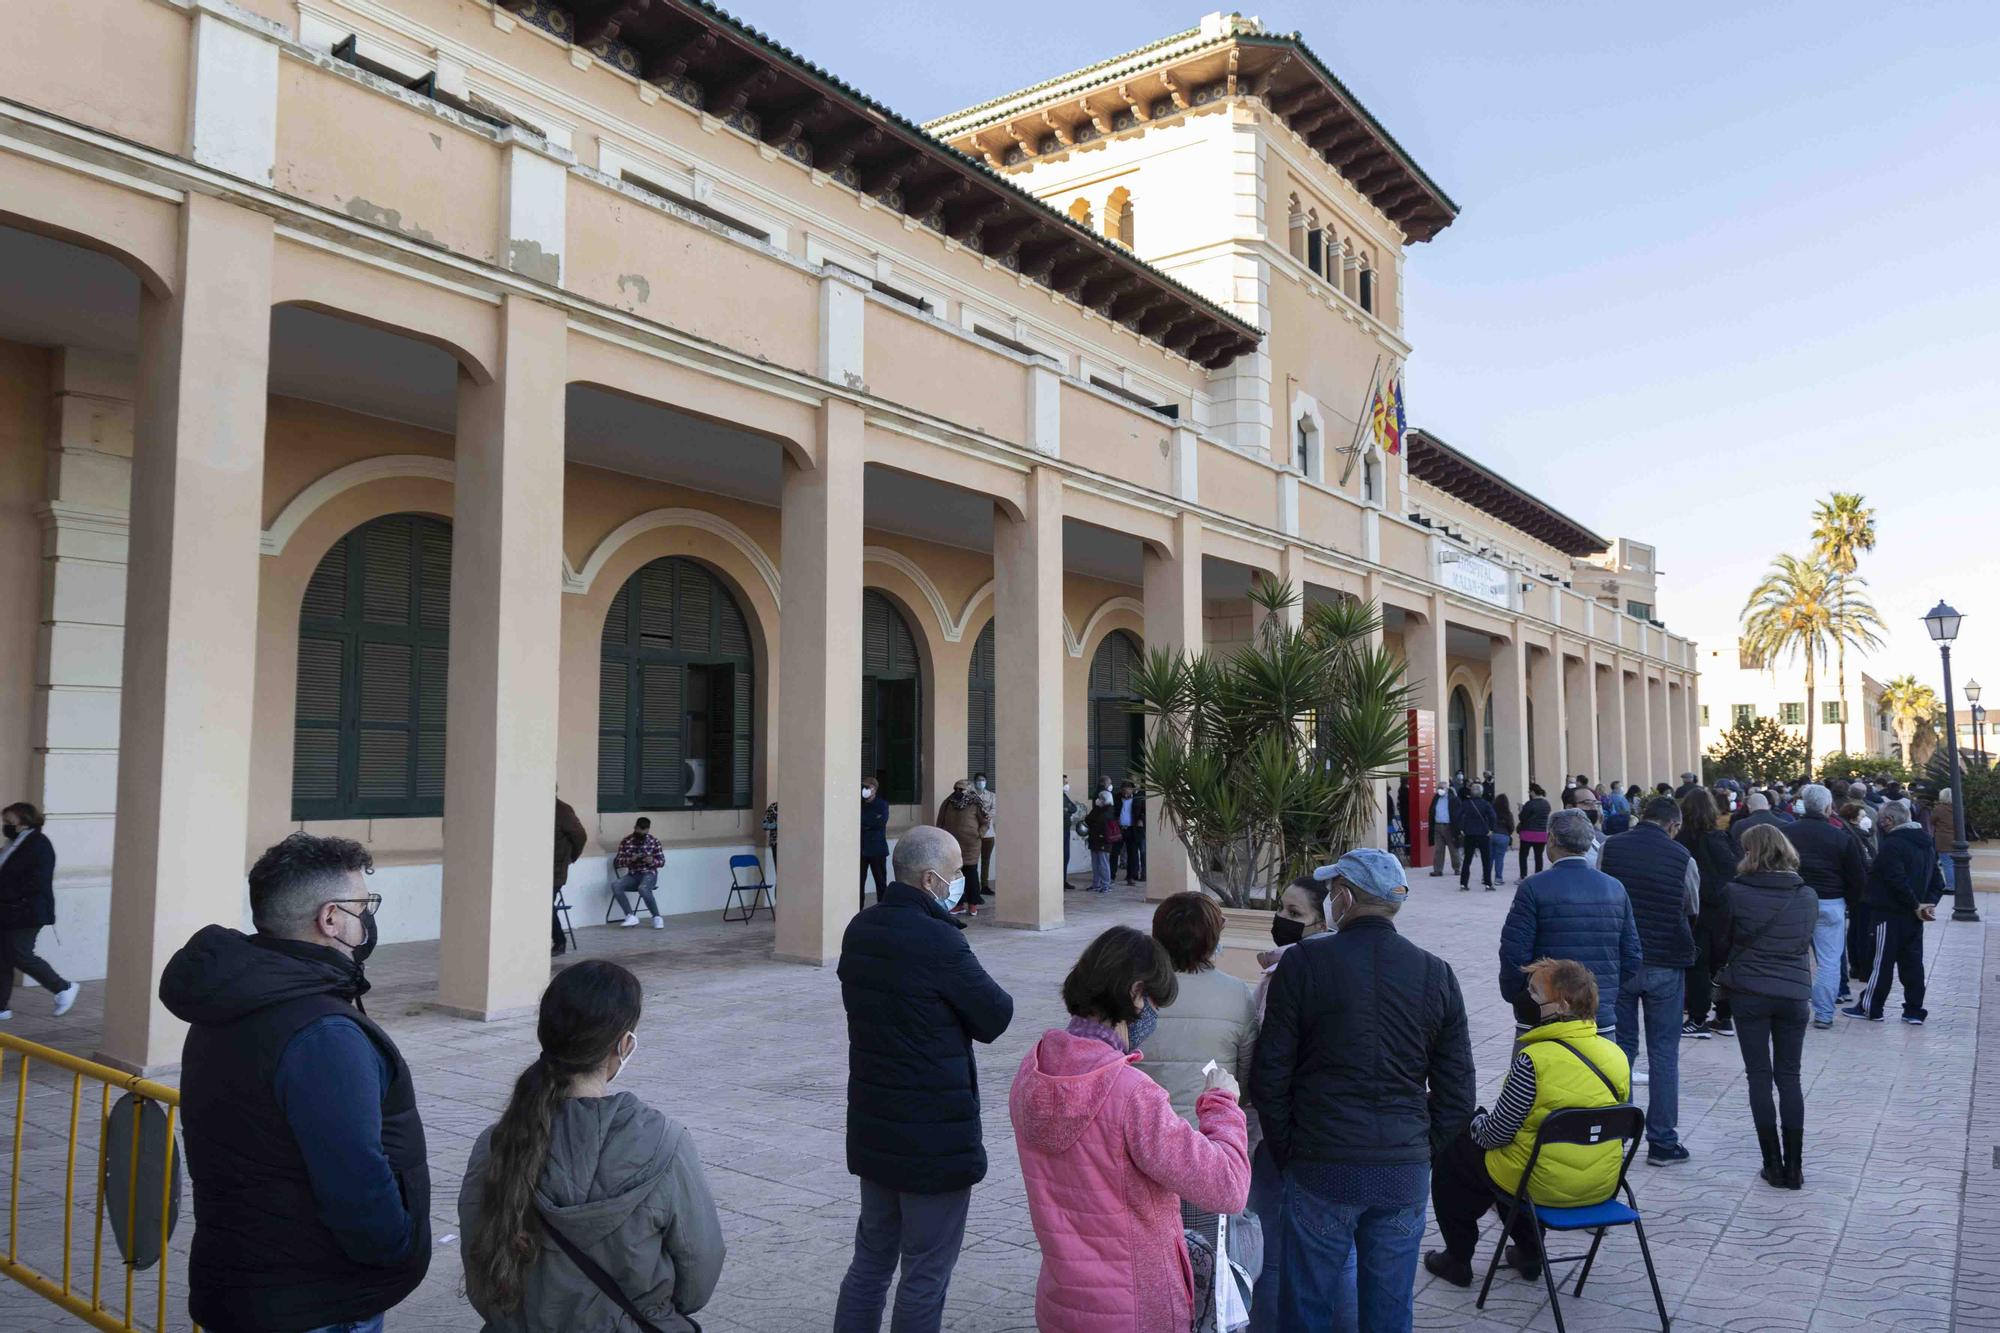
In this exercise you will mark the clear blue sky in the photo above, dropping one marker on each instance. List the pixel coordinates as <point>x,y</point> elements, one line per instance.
<point>1713,262</point>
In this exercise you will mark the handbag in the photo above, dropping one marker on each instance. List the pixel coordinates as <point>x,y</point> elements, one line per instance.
<point>602,1280</point>
<point>1745,947</point>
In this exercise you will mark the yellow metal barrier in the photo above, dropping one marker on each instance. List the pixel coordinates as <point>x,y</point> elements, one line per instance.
<point>64,1290</point>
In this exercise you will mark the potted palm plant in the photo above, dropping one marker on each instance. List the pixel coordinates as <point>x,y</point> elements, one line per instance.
<point>1268,761</point>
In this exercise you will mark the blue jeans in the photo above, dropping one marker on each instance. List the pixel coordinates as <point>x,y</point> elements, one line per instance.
<point>1100,872</point>
<point>1945,867</point>
<point>374,1325</point>
<point>1499,842</point>
<point>1829,938</point>
<point>920,1232</point>
<point>1343,1266</point>
<point>1661,989</point>
<point>643,881</point>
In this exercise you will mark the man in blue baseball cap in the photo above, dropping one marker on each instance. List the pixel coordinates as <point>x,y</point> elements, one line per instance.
<point>1363,1073</point>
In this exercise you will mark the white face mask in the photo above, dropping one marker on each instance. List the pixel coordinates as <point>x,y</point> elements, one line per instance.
<point>979,783</point>
<point>1866,823</point>
<point>624,1059</point>
<point>952,892</point>
<point>1798,807</point>
<point>867,793</point>
<point>1065,789</point>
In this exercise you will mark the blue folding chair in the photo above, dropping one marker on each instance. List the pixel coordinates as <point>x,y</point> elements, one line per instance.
<point>759,891</point>
<point>1582,1126</point>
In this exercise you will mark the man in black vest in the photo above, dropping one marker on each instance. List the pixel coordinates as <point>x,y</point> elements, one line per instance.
<point>311,1184</point>
<point>1664,885</point>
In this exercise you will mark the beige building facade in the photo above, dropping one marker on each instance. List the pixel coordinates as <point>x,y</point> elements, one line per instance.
<point>414,409</point>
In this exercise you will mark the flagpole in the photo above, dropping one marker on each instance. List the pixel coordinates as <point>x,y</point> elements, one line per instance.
<point>1353,450</point>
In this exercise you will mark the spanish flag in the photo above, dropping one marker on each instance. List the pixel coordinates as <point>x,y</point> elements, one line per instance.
<point>1385,414</point>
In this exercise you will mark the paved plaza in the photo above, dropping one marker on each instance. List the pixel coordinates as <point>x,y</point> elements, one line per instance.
<point>1896,1229</point>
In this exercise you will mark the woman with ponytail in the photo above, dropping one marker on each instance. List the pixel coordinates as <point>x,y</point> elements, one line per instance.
<point>585,1210</point>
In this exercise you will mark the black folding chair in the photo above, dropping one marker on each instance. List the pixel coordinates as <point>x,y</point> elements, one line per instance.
<point>562,911</point>
<point>1583,1127</point>
<point>759,892</point>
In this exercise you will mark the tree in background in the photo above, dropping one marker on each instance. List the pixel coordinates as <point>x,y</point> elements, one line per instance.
<point>1911,707</point>
<point>1268,760</point>
<point>1843,531</point>
<point>1759,751</point>
<point>1791,611</point>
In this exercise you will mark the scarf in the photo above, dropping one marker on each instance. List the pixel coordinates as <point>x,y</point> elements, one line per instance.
<point>1104,1032</point>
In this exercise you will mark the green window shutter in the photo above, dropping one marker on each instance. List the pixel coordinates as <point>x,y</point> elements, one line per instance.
<point>981,740</point>
<point>741,729</point>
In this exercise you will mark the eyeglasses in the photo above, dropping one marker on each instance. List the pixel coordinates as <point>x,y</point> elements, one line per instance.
<point>373,901</point>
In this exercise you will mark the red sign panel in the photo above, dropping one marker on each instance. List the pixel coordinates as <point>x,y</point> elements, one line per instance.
<point>1423,783</point>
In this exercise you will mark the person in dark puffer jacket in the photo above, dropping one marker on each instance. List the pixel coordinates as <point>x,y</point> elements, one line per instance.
<point>1764,926</point>
<point>1665,887</point>
<point>916,999</point>
<point>1570,911</point>
<point>1476,818</point>
<point>311,1180</point>
<point>1904,886</point>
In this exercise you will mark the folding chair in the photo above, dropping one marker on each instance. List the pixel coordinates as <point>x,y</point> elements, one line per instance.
<point>1581,1126</point>
<point>562,910</point>
<point>759,890</point>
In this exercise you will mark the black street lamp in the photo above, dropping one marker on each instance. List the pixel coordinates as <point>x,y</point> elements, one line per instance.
<point>1978,723</point>
<point>1943,625</point>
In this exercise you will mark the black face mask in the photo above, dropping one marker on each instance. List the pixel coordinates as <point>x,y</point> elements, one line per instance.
<point>12,830</point>
<point>368,936</point>
<point>1285,931</point>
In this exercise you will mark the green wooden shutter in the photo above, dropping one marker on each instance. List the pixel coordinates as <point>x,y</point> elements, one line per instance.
<point>981,740</point>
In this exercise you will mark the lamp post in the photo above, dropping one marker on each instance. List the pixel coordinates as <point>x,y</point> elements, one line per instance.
<point>1942,622</point>
<point>1978,721</point>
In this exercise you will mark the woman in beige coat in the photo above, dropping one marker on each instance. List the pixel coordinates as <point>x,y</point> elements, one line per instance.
<point>962,816</point>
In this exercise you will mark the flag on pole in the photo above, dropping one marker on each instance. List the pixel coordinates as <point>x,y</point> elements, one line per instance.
<point>1385,414</point>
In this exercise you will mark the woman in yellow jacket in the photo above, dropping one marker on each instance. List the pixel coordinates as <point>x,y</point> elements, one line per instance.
<point>1560,1064</point>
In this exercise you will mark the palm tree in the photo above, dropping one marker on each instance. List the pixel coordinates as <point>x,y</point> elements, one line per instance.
<point>1791,611</point>
<point>1911,706</point>
<point>1851,620</point>
<point>1844,530</point>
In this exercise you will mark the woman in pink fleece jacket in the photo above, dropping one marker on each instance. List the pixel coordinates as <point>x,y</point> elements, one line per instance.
<point>1107,1161</point>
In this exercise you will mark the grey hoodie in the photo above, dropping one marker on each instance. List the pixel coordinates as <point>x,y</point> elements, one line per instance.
<point>623,1183</point>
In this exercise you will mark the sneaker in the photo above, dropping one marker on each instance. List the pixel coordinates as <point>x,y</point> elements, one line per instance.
<point>1671,1156</point>
<point>1822,1024</point>
<point>1458,1272</point>
<point>659,923</point>
<point>960,910</point>
<point>66,998</point>
<point>1723,1027</point>
<point>629,921</point>
<point>1856,1011</point>
<point>1913,1022</point>
<point>1695,1030</point>
<point>1640,1078</point>
<point>1846,996</point>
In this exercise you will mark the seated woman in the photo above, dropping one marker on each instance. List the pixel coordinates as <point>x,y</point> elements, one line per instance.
<point>1106,1161</point>
<point>1562,1063</point>
<point>573,1164</point>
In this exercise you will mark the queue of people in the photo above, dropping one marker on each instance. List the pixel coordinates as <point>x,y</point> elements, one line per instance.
<point>1320,1111</point>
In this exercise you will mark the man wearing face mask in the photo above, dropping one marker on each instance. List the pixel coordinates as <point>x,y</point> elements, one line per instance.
<point>311,1183</point>
<point>874,840</point>
<point>916,999</point>
<point>1363,1074</point>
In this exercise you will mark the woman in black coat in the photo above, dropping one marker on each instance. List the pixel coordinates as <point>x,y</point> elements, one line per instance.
<point>27,903</point>
<point>1715,858</point>
<point>1534,828</point>
<point>1765,930</point>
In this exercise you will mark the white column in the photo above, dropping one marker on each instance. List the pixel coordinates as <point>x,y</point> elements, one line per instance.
<point>506,650</point>
<point>1638,736</point>
<point>1545,688</point>
<point>1173,622</point>
<point>1580,712</point>
<point>819,691</point>
<point>1658,732</point>
<point>86,524</point>
<point>1028,711</point>
<point>190,643</point>
<point>1611,753</point>
<point>1429,668</point>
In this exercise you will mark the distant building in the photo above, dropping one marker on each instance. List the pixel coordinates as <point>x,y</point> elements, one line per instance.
<point>1734,689</point>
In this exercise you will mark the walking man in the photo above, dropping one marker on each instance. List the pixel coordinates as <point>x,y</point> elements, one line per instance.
<point>1831,864</point>
<point>1904,886</point>
<point>1363,1074</point>
<point>1664,885</point>
<point>636,864</point>
<point>571,839</point>
<point>311,1181</point>
<point>27,903</point>
<point>1571,911</point>
<point>1476,819</point>
<point>916,999</point>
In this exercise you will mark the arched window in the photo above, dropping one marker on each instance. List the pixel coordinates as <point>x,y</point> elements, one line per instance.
<point>674,691</point>
<point>1079,211</point>
<point>1295,228</point>
<point>1458,732</point>
<point>368,731</point>
<point>1486,736</point>
<point>1371,478</point>
<point>1118,217</point>
<point>1117,735</point>
<point>980,756</point>
<point>1306,444</point>
<point>891,700</point>
<point>1315,246</point>
<point>1367,283</point>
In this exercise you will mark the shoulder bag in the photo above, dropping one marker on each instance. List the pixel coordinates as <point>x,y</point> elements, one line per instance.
<point>602,1280</point>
